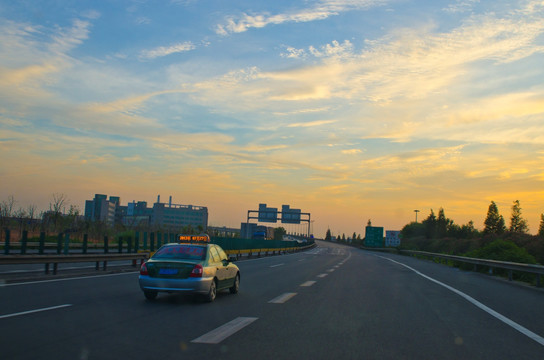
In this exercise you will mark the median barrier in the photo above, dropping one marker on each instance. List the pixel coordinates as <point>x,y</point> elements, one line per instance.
<point>56,259</point>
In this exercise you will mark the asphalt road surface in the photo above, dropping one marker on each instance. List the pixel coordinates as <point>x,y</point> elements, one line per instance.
<point>331,302</point>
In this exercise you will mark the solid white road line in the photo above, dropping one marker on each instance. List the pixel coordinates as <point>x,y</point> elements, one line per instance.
<point>67,279</point>
<point>282,298</point>
<point>224,331</point>
<point>539,339</point>
<point>34,311</point>
<point>308,283</point>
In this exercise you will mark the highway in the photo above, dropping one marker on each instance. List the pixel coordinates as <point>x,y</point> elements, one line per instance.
<point>331,302</point>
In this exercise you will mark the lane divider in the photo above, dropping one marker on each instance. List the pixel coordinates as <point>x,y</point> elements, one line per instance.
<point>282,298</point>
<point>224,331</point>
<point>308,283</point>
<point>34,311</point>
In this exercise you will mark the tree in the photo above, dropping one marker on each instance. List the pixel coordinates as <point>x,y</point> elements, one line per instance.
<point>6,212</point>
<point>442,224</point>
<point>517,223</point>
<point>279,232</point>
<point>430,225</point>
<point>541,227</point>
<point>369,223</point>
<point>494,222</point>
<point>328,236</point>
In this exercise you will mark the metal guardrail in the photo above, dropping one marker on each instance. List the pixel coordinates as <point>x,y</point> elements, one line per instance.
<point>538,270</point>
<point>56,259</point>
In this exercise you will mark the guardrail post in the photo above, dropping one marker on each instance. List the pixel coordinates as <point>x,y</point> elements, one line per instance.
<point>6,246</point>
<point>145,240</point>
<point>538,280</point>
<point>106,244</point>
<point>120,244</point>
<point>136,244</point>
<point>24,241</point>
<point>66,243</point>
<point>129,245</point>
<point>85,240</point>
<point>152,241</point>
<point>42,242</point>
<point>510,276</point>
<point>59,243</point>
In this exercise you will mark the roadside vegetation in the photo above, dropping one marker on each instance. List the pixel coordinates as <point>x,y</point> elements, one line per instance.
<point>496,241</point>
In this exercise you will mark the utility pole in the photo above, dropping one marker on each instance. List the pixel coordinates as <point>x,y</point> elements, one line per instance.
<point>416,211</point>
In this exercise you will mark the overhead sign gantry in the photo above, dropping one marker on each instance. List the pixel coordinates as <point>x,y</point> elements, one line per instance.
<point>287,215</point>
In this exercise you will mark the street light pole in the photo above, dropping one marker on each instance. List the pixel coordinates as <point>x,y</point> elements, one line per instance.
<point>416,211</point>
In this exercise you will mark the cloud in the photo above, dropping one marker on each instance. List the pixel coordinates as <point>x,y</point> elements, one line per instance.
<point>352,151</point>
<point>167,50</point>
<point>313,123</point>
<point>320,11</point>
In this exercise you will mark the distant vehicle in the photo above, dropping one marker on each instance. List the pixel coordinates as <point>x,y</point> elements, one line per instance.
<point>196,268</point>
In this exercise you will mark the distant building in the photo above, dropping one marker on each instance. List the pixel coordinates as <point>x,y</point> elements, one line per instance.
<point>392,238</point>
<point>102,209</point>
<point>175,215</point>
<point>255,231</point>
<point>164,215</point>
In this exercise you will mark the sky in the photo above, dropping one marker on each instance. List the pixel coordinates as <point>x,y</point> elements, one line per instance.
<point>349,110</point>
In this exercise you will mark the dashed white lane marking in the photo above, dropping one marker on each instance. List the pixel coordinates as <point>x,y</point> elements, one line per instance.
<point>272,266</point>
<point>308,283</point>
<point>322,275</point>
<point>330,270</point>
<point>282,298</point>
<point>34,311</point>
<point>224,331</point>
<point>539,339</point>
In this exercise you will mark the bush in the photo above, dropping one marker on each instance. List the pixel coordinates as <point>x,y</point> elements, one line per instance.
<point>502,250</point>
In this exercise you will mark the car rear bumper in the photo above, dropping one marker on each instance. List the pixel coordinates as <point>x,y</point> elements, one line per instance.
<point>189,285</point>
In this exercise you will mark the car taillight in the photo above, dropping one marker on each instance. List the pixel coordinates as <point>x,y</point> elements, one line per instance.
<point>197,271</point>
<point>143,269</point>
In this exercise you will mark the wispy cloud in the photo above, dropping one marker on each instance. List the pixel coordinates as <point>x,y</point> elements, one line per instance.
<point>167,50</point>
<point>319,11</point>
<point>312,123</point>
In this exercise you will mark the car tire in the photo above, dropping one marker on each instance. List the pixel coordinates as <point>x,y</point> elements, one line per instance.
<point>150,295</point>
<point>236,286</point>
<point>212,293</point>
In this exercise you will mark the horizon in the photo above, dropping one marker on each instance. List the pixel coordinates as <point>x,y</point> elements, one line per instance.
<point>347,109</point>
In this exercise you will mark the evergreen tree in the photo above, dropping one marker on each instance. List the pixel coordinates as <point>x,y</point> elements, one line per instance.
<point>494,222</point>
<point>354,236</point>
<point>328,236</point>
<point>441,224</point>
<point>541,227</point>
<point>430,225</point>
<point>517,223</point>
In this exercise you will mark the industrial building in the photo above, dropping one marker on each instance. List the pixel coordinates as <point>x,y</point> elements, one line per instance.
<point>163,215</point>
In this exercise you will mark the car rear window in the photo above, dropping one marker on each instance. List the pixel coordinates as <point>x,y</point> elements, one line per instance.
<point>182,252</point>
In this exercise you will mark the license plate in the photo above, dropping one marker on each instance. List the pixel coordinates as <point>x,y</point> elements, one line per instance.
<point>168,271</point>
